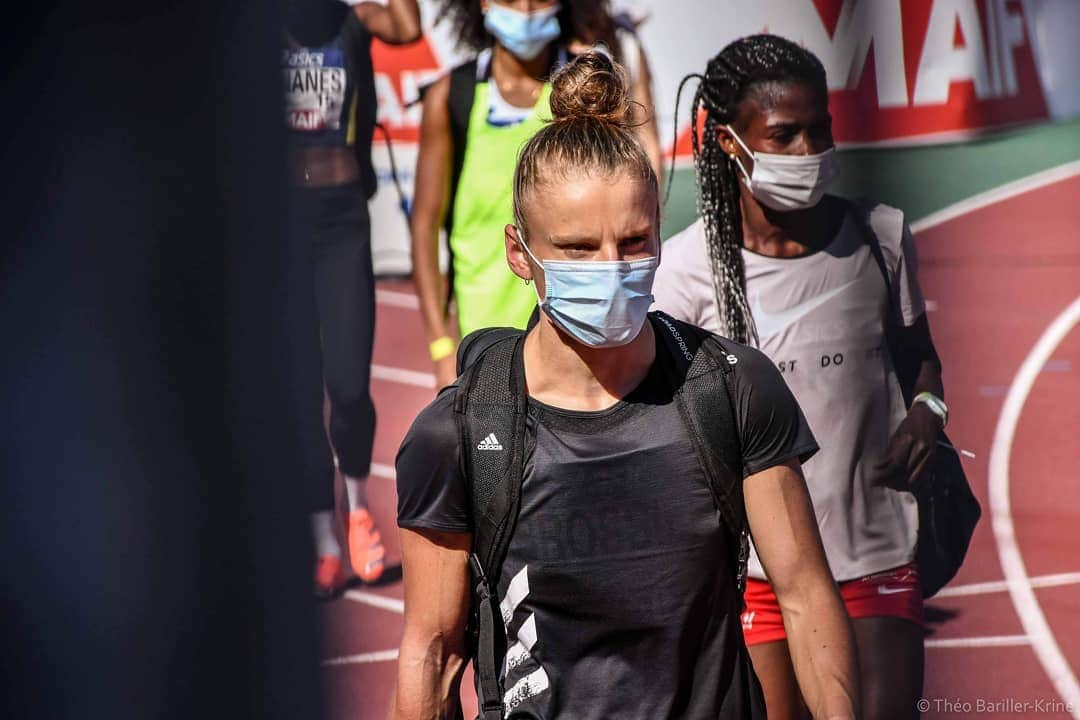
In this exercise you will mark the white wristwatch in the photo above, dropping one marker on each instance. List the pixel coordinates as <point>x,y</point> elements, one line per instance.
<point>936,405</point>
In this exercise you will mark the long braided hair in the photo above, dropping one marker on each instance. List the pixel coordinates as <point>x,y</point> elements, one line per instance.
<point>745,65</point>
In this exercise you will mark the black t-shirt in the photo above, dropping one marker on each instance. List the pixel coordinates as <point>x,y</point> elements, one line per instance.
<point>617,591</point>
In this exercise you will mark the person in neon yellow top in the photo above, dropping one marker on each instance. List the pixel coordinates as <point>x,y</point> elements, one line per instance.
<point>486,292</point>
<point>474,121</point>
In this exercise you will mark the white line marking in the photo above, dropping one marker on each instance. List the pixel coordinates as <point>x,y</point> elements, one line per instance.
<point>995,195</point>
<point>1012,562</point>
<point>394,298</point>
<point>386,472</point>
<point>404,377</point>
<point>385,603</point>
<point>979,642</point>
<point>371,657</point>
<point>995,586</point>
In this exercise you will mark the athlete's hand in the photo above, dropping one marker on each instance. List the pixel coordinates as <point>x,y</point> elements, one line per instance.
<point>445,371</point>
<point>910,449</point>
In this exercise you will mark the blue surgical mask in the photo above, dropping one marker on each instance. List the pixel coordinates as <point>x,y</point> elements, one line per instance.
<point>600,303</point>
<point>524,34</point>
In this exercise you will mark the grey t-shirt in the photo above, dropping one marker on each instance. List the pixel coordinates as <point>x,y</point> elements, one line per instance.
<point>821,320</point>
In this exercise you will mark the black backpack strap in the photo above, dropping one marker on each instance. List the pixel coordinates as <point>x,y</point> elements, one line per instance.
<point>701,375</point>
<point>491,405</point>
<point>476,343</point>
<point>904,363</point>
<point>460,103</point>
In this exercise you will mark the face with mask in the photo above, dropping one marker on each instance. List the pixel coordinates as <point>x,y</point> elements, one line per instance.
<point>524,27</point>
<point>782,144</point>
<point>592,254</point>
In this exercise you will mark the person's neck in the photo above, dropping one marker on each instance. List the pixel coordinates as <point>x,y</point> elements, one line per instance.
<point>568,375</point>
<point>779,234</point>
<point>510,69</point>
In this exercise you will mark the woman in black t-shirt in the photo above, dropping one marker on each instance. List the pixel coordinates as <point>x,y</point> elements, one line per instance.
<point>616,594</point>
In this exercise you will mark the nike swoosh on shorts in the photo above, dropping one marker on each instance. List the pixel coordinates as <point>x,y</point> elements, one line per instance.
<point>882,590</point>
<point>769,323</point>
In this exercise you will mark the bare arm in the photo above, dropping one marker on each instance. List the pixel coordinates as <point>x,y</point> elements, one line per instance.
<point>398,23</point>
<point>432,655</point>
<point>429,209</point>
<point>786,536</point>
<point>648,133</point>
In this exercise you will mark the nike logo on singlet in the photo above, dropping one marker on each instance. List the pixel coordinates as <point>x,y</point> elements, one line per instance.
<point>769,323</point>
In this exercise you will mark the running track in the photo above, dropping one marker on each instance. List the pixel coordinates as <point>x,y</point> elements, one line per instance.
<point>1003,273</point>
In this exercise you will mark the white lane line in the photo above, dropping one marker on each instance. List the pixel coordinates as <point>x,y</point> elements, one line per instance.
<point>394,298</point>
<point>402,376</point>
<point>386,472</point>
<point>996,586</point>
<point>979,642</point>
<point>1012,562</point>
<point>379,601</point>
<point>1002,192</point>
<point>371,657</point>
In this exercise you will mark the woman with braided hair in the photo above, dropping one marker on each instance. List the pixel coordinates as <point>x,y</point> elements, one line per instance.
<point>814,281</point>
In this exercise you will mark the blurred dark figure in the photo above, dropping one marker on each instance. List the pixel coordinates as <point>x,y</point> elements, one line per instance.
<point>154,547</point>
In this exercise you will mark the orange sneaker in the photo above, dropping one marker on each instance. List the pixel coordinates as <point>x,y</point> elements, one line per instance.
<point>329,576</point>
<point>365,546</point>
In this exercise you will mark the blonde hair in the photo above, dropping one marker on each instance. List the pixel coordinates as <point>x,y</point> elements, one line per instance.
<point>592,130</point>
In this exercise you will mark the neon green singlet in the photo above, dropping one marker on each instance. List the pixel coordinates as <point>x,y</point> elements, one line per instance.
<point>487,293</point>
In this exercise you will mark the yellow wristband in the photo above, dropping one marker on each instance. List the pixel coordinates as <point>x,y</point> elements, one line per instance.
<point>441,348</point>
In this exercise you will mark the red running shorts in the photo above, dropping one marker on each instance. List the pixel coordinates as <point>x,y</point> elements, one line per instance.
<point>892,593</point>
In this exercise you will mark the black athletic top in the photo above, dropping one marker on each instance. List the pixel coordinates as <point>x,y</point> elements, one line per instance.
<point>617,592</point>
<point>330,94</point>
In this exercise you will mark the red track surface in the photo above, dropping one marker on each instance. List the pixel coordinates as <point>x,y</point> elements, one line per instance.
<point>998,277</point>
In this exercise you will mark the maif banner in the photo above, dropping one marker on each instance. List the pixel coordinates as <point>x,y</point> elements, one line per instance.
<point>900,72</point>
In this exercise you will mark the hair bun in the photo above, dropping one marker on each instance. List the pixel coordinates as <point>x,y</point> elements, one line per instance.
<point>592,86</point>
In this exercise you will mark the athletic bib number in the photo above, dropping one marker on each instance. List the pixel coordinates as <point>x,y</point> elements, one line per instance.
<point>315,85</point>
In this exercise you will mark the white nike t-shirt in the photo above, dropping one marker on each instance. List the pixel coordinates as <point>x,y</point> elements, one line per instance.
<point>821,319</point>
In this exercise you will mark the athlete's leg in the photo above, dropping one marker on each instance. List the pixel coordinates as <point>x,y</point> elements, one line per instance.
<point>345,289</point>
<point>772,663</point>
<point>890,666</point>
<point>886,613</point>
<point>305,359</point>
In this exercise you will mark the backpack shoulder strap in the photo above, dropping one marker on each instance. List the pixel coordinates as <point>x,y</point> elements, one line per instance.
<point>904,363</point>
<point>460,103</point>
<point>701,373</point>
<point>476,343</point>
<point>860,210</point>
<point>491,405</point>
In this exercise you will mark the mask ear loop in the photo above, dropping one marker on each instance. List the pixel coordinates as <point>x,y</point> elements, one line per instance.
<point>521,242</point>
<point>738,161</point>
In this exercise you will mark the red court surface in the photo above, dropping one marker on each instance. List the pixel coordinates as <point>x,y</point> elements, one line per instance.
<point>998,277</point>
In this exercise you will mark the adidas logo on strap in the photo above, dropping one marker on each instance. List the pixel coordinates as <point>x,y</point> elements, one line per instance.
<point>490,443</point>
